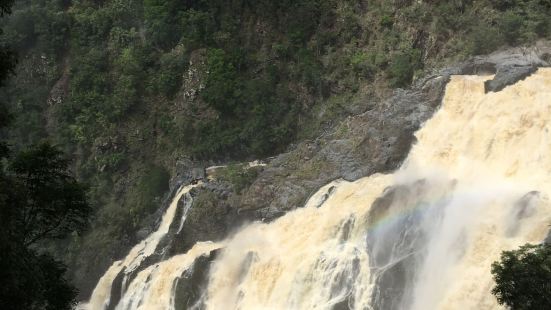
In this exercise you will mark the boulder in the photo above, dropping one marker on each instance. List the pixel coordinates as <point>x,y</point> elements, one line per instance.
<point>508,75</point>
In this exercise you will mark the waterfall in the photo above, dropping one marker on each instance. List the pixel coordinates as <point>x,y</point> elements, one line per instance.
<point>102,293</point>
<point>477,182</point>
<point>153,287</point>
<point>188,202</point>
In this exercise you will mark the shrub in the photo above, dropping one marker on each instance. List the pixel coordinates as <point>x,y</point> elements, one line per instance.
<point>222,87</point>
<point>403,67</point>
<point>309,69</point>
<point>387,21</point>
<point>161,22</point>
<point>361,63</point>
<point>511,25</point>
<point>485,39</point>
<point>154,182</point>
<point>198,28</point>
<point>239,176</point>
<point>168,80</point>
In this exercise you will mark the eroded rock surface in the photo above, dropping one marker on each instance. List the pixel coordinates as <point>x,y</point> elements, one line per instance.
<point>377,140</point>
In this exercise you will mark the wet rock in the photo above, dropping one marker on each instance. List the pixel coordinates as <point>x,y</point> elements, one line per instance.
<point>548,238</point>
<point>377,140</point>
<point>509,66</point>
<point>210,218</point>
<point>190,287</point>
<point>509,75</point>
<point>116,291</point>
<point>198,173</point>
<point>183,172</point>
<point>523,208</point>
<point>394,249</point>
<point>143,233</point>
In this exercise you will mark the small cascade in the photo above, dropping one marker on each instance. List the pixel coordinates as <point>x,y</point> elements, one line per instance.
<point>101,295</point>
<point>188,202</point>
<point>154,287</point>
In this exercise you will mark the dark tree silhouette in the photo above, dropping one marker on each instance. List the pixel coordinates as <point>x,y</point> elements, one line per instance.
<point>7,56</point>
<point>523,278</point>
<point>39,200</point>
<point>49,202</point>
<point>5,7</point>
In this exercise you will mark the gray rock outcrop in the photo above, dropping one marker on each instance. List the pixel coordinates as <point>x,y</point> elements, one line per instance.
<point>377,140</point>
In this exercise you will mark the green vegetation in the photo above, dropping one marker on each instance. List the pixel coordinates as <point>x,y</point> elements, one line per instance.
<point>523,278</point>
<point>239,176</point>
<point>268,62</point>
<point>250,116</point>
<point>151,187</point>
<point>126,85</point>
<point>403,66</point>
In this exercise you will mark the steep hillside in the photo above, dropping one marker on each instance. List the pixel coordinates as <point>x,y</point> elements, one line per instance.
<point>141,92</point>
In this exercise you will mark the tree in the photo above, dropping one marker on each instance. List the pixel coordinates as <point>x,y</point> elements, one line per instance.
<point>7,56</point>
<point>5,7</point>
<point>223,85</point>
<point>161,22</point>
<point>403,67</point>
<point>50,202</point>
<point>7,64</point>
<point>523,278</point>
<point>39,200</point>
<point>511,25</point>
